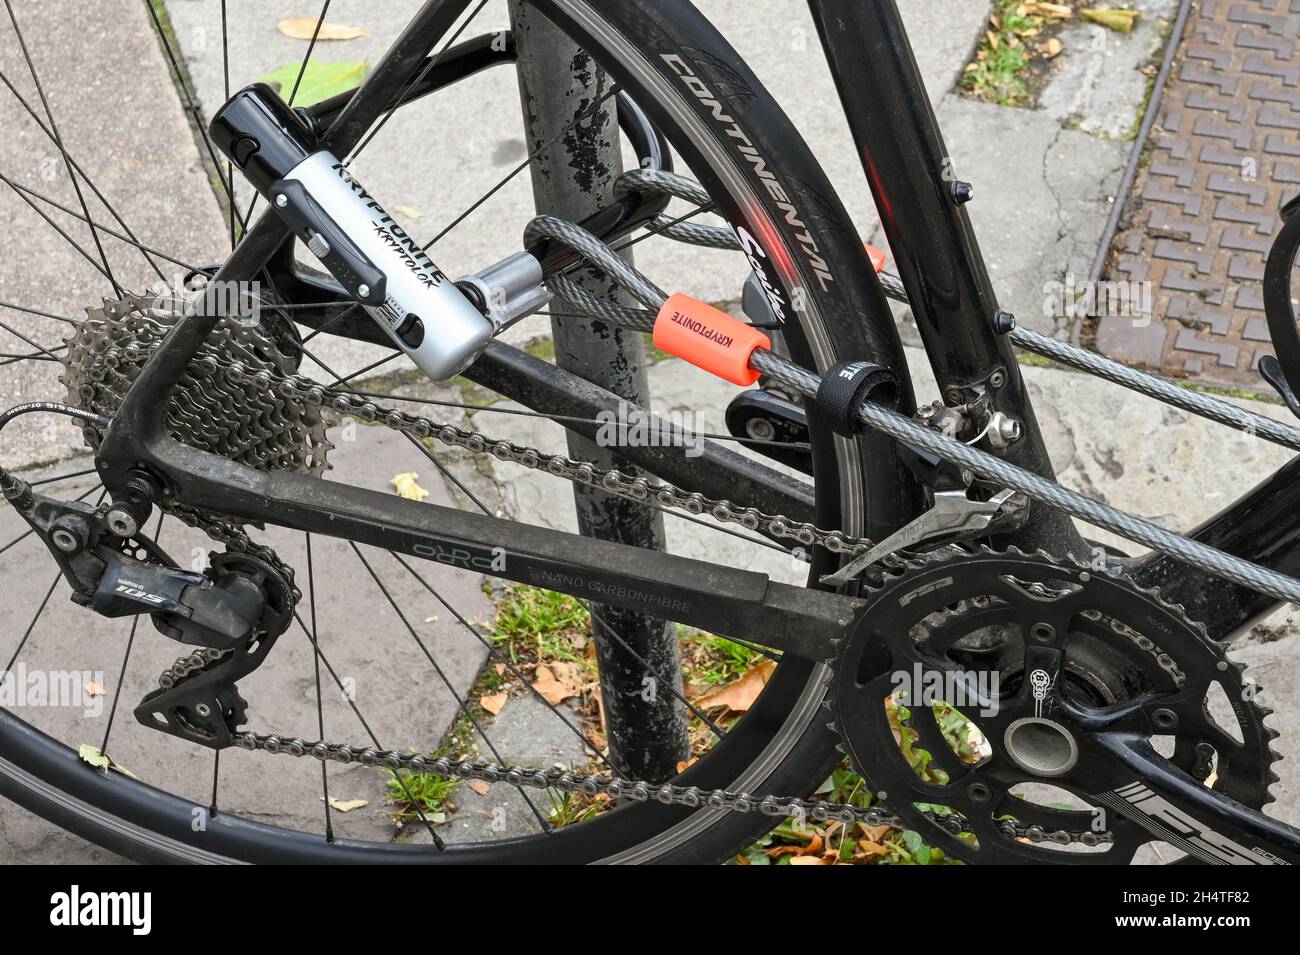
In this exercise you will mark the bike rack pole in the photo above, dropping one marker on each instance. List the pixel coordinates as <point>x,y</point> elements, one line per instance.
<point>572,178</point>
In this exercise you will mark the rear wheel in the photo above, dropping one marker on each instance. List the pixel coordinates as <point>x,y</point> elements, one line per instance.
<point>761,179</point>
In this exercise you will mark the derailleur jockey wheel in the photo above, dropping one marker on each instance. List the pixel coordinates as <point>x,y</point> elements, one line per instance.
<point>966,699</point>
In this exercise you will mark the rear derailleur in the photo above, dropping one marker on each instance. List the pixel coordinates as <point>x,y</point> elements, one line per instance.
<point>233,611</point>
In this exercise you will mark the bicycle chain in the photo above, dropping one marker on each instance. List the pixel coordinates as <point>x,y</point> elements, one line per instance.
<point>207,367</point>
<point>590,784</point>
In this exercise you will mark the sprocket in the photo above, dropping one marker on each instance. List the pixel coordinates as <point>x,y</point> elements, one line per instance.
<point>952,637</point>
<point>246,422</point>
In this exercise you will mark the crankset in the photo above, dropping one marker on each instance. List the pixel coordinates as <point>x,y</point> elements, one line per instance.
<point>1026,696</point>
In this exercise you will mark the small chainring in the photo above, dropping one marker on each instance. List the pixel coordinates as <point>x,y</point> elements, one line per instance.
<point>944,647</point>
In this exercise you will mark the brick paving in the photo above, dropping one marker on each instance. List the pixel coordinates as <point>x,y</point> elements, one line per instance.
<point>1224,153</point>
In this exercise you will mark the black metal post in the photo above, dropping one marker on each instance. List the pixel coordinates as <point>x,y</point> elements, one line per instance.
<point>573,177</point>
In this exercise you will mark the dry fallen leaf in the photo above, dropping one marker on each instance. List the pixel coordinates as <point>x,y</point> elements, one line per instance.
<point>1055,11</point>
<point>93,756</point>
<point>493,702</point>
<point>1051,48</point>
<point>501,668</point>
<point>570,674</point>
<point>600,710</point>
<point>740,695</point>
<point>304,28</point>
<point>876,833</point>
<point>685,764</point>
<point>808,860</point>
<point>548,684</point>
<point>480,787</point>
<point>347,805</point>
<point>407,488</point>
<point>94,689</point>
<point>1111,18</point>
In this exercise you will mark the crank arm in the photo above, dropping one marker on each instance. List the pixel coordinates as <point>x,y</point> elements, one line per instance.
<point>1184,812</point>
<point>953,517</point>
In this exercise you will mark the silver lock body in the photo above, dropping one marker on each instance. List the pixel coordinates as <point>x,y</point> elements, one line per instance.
<point>423,311</point>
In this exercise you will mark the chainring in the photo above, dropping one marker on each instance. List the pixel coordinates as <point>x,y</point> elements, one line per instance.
<point>943,646</point>
<point>244,420</point>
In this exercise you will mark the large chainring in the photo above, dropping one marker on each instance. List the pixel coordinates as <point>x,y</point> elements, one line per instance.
<point>944,647</point>
<point>244,420</point>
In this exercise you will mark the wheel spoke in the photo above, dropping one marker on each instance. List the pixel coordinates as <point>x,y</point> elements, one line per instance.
<point>35,356</point>
<point>324,660</point>
<point>414,441</point>
<point>610,629</point>
<point>192,106</point>
<point>320,706</point>
<point>527,161</point>
<point>231,211</point>
<point>413,82</point>
<point>35,311</point>
<point>62,477</point>
<point>101,269</point>
<point>370,367</point>
<point>58,141</point>
<point>216,782</point>
<point>128,239</point>
<point>293,94</point>
<point>31,626</point>
<point>17,334</point>
<point>88,181</point>
<point>503,658</point>
<point>121,680</point>
<point>462,704</point>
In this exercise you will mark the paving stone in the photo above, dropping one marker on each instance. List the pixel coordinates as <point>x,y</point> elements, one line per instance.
<point>1203,212</point>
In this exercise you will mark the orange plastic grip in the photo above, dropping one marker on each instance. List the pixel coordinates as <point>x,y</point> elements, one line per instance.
<point>708,338</point>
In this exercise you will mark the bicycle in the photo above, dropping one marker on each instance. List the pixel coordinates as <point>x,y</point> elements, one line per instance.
<point>927,531</point>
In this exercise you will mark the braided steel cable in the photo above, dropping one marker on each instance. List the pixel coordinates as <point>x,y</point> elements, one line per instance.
<point>597,252</point>
<point>1202,405</point>
<point>1006,474</point>
<point>985,465</point>
<point>578,298</point>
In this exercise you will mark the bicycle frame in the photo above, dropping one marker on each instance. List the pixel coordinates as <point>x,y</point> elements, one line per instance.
<point>902,151</point>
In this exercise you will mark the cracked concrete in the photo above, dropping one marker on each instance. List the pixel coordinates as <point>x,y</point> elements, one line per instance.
<point>1066,177</point>
<point>1100,86</point>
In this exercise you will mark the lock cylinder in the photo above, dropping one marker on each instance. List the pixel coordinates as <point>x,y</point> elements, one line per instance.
<point>346,228</point>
